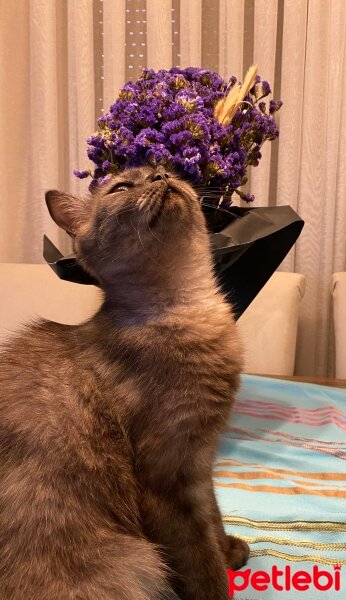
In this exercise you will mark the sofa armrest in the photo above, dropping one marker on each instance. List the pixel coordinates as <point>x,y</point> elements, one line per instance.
<point>269,325</point>
<point>34,291</point>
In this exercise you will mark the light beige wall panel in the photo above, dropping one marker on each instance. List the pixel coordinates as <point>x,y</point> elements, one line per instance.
<point>159,34</point>
<point>190,33</point>
<point>264,57</point>
<point>114,50</point>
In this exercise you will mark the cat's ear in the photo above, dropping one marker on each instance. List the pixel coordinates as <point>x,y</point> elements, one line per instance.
<point>69,212</point>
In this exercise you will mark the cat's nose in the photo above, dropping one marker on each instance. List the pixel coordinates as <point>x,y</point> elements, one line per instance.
<point>161,175</point>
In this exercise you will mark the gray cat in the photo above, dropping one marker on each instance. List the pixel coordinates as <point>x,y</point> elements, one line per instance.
<point>108,430</point>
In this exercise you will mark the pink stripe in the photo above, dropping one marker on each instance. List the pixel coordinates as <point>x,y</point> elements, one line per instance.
<point>290,410</point>
<point>291,419</point>
<point>281,410</point>
<point>304,439</point>
<point>296,418</point>
<point>322,409</point>
<point>245,435</point>
<point>293,412</point>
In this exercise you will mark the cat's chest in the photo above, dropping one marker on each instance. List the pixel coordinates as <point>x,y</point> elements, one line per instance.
<point>177,397</point>
<point>173,402</point>
<point>181,383</point>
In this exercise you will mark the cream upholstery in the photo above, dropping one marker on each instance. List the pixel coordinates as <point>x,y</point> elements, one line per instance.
<point>339,303</point>
<point>268,327</point>
<point>29,291</point>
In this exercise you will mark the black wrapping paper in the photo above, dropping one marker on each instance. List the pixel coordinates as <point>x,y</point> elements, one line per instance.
<point>248,246</point>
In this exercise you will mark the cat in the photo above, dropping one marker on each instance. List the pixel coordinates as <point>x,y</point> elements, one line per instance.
<point>108,429</point>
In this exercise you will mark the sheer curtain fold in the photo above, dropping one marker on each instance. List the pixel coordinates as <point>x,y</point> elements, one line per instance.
<point>265,23</point>
<point>43,118</point>
<point>68,59</point>
<point>113,49</point>
<point>14,130</point>
<point>159,34</point>
<point>191,33</point>
<point>339,249</point>
<point>81,85</point>
<point>291,117</point>
<point>316,200</point>
<point>231,38</point>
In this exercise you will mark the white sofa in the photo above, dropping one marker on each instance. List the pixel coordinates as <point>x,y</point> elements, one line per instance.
<point>268,327</point>
<point>339,306</point>
<point>30,291</point>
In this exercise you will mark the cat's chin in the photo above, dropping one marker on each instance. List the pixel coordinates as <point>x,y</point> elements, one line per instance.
<point>160,201</point>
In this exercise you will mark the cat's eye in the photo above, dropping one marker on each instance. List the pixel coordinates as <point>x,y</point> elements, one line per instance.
<point>120,187</point>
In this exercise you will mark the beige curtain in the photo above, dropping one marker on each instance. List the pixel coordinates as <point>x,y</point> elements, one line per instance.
<point>63,62</point>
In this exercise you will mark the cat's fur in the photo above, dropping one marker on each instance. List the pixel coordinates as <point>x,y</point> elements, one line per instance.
<point>108,429</point>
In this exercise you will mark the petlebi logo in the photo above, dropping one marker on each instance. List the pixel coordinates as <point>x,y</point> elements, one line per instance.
<point>285,579</point>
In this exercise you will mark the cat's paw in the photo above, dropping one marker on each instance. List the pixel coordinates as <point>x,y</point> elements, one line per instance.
<point>237,553</point>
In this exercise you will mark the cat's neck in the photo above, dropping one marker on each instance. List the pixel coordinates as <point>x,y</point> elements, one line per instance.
<point>135,299</point>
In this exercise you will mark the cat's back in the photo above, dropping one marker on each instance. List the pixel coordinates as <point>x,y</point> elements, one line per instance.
<point>51,396</point>
<point>35,363</point>
<point>68,494</point>
<point>37,339</point>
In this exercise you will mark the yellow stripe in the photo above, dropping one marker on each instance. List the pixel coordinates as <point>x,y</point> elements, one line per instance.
<point>287,491</point>
<point>329,526</point>
<point>297,558</point>
<point>268,475</point>
<point>236,463</point>
<point>289,542</point>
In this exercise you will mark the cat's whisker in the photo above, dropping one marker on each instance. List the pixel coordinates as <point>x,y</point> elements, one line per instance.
<point>125,211</point>
<point>145,250</point>
<point>154,236</point>
<point>85,258</point>
<point>104,226</point>
<point>141,242</point>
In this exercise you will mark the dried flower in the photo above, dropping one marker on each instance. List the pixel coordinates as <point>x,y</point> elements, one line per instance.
<point>189,120</point>
<point>227,106</point>
<point>81,174</point>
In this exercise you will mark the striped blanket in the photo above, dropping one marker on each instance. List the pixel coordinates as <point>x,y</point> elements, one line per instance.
<point>280,480</point>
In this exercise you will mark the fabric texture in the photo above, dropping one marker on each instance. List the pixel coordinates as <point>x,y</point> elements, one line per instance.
<point>280,480</point>
<point>269,325</point>
<point>339,304</point>
<point>34,291</point>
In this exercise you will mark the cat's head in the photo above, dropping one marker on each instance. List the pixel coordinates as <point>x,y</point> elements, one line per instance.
<point>140,220</point>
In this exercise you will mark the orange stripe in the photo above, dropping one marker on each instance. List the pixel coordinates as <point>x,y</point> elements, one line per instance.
<point>237,463</point>
<point>288,491</point>
<point>266,475</point>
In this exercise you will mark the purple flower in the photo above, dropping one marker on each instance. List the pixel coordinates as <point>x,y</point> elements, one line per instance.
<point>274,105</point>
<point>106,166</point>
<point>104,180</point>
<point>266,90</point>
<point>81,174</point>
<point>248,197</point>
<point>181,138</point>
<point>167,117</point>
<point>94,154</point>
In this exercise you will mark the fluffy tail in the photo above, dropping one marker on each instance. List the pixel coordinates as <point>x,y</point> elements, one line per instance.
<point>128,569</point>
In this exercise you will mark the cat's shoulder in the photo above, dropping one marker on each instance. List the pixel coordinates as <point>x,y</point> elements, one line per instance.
<point>38,335</point>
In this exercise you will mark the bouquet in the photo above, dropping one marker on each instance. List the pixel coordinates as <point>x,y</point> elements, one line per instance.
<point>207,131</point>
<point>192,122</point>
